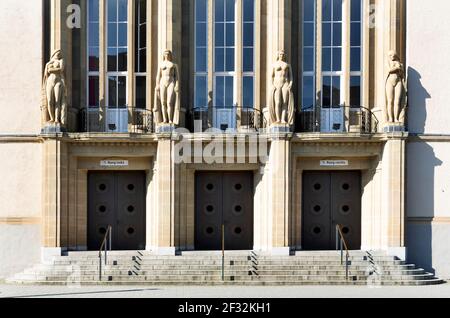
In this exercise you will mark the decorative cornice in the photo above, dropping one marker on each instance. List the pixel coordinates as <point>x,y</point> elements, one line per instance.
<point>427,220</point>
<point>428,138</point>
<point>20,220</point>
<point>18,138</point>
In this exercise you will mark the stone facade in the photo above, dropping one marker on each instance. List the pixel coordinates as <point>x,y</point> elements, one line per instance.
<point>45,188</point>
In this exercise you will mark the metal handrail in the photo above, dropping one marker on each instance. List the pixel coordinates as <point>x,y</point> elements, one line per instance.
<point>342,244</point>
<point>223,252</point>
<point>107,239</point>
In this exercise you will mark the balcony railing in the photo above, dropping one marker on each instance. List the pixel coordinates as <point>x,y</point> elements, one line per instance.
<point>225,118</point>
<point>116,120</point>
<point>341,119</point>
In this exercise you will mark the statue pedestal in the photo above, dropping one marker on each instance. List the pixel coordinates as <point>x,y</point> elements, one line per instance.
<point>165,128</point>
<point>279,128</point>
<point>394,127</point>
<point>53,129</point>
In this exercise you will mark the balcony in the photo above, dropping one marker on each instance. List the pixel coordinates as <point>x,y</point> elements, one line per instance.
<point>341,119</point>
<point>225,119</point>
<point>116,120</point>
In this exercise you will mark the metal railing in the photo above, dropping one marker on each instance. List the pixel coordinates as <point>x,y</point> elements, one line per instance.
<point>223,252</point>
<point>337,119</point>
<point>106,245</point>
<point>341,244</point>
<point>116,120</point>
<point>226,118</point>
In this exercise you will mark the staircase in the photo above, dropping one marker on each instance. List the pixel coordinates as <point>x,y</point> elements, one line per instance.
<point>241,268</point>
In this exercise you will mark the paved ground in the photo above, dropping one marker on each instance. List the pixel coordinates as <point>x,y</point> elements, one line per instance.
<point>440,291</point>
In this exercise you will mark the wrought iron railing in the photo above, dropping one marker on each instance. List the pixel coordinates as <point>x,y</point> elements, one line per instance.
<point>340,119</point>
<point>116,120</point>
<point>225,118</point>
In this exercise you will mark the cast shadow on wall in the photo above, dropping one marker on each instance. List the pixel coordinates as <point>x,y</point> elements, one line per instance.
<point>417,102</point>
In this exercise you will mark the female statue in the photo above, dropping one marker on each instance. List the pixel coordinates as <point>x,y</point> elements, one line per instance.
<point>395,90</point>
<point>281,105</point>
<point>54,90</point>
<point>167,99</point>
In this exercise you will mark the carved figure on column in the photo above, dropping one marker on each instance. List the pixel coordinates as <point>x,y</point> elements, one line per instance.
<point>396,98</point>
<point>281,106</point>
<point>54,107</point>
<point>167,92</point>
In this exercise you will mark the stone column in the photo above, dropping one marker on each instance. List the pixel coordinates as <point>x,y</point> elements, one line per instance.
<point>393,194</point>
<point>279,192</point>
<point>54,196</point>
<point>163,213</point>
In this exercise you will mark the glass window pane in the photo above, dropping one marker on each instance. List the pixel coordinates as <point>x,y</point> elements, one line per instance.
<point>219,60</point>
<point>337,60</point>
<point>308,34</point>
<point>112,34</point>
<point>112,60</point>
<point>142,61</point>
<point>355,34</point>
<point>201,8</point>
<point>308,60</point>
<point>141,92</point>
<point>94,34</point>
<point>326,10</point>
<point>326,92</point>
<point>93,91</point>
<point>248,92</point>
<point>201,88</point>
<point>143,36</point>
<point>248,60</point>
<point>112,92</point>
<point>249,10</point>
<point>326,34</point>
<point>201,60</point>
<point>220,91</point>
<point>142,11</point>
<point>356,10</point>
<point>122,67</point>
<point>112,10</point>
<point>229,88</point>
<point>355,59</point>
<point>355,91</point>
<point>337,10</point>
<point>201,35</point>
<point>123,10</point>
<point>308,10</point>
<point>326,60</point>
<point>94,57</point>
<point>229,34</point>
<point>230,10</point>
<point>219,10</point>
<point>122,92</point>
<point>220,34</point>
<point>122,34</point>
<point>248,34</point>
<point>337,34</point>
<point>229,67</point>
<point>93,10</point>
<point>308,92</point>
<point>336,97</point>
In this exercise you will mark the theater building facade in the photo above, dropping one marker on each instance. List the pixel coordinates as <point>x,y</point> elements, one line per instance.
<point>263,123</point>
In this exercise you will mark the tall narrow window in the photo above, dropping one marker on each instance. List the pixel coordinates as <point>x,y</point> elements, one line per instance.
<point>248,53</point>
<point>141,53</point>
<point>201,54</point>
<point>309,45</point>
<point>93,53</point>
<point>331,53</point>
<point>355,53</point>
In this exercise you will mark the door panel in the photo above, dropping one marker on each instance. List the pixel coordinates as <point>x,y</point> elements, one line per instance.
<point>331,198</point>
<point>224,199</point>
<point>117,199</point>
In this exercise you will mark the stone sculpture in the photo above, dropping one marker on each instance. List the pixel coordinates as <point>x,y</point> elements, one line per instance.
<point>54,92</point>
<point>395,91</point>
<point>281,106</point>
<point>167,92</point>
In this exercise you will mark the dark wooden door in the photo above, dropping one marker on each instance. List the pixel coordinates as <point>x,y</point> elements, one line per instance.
<point>331,198</point>
<point>224,199</point>
<point>117,199</point>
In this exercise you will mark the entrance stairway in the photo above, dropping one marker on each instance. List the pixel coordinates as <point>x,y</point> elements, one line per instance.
<point>241,268</point>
